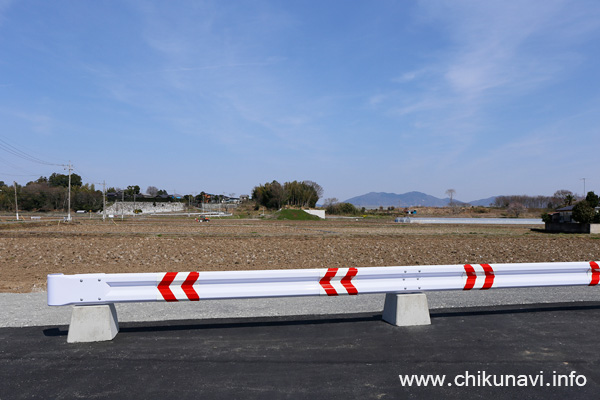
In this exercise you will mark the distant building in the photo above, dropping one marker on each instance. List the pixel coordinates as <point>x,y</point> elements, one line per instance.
<point>563,215</point>
<point>562,221</point>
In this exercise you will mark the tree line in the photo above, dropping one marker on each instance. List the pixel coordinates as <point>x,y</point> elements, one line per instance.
<point>274,195</point>
<point>558,199</point>
<point>50,194</point>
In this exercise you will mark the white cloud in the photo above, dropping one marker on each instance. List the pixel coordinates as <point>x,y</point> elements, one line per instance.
<point>40,123</point>
<point>495,53</point>
<point>410,76</point>
<point>214,66</point>
<point>507,45</point>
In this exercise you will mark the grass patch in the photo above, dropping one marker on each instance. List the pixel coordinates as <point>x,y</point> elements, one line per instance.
<point>296,215</point>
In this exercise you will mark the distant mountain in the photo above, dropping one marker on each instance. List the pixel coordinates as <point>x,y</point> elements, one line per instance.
<point>483,202</point>
<point>410,199</point>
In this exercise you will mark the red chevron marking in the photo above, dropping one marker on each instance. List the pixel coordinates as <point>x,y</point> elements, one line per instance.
<point>325,282</point>
<point>595,273</point>
<point>471,277</point>
<point>188,286</point>
<point>346,281</point>
<point>489,276</point>
<point>164,289</point>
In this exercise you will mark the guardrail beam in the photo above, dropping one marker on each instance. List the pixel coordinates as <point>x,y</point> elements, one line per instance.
<point>405,303</point>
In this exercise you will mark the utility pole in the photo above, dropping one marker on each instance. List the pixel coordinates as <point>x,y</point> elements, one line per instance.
<point>103,201</point>
<point>16,206</point>
<point>70,168</point>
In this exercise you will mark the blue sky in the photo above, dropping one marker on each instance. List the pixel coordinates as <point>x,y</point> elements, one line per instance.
<point>485,97</point>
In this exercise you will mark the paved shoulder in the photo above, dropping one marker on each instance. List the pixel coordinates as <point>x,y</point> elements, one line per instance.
<point>527,351</point>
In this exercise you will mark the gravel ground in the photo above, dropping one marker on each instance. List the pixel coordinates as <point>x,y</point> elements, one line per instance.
<point>31,309</point>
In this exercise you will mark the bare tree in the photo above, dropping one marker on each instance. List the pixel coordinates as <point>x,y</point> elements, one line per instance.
<point>152,191</point>
<point>316,186</point>
<point>330,201</point>
<point>565,197</point>
<point>516,209</point>
<point>450,193</point>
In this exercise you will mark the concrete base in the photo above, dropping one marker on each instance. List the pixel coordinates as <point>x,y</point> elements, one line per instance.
<point>93,324</point>
<point>406,309</point>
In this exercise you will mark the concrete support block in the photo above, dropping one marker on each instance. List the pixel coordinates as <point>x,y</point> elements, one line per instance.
<point>93,323</point>
<point>406,309</point>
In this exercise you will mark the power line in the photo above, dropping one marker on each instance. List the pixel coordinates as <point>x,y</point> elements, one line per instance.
<point>21,154</point>
<point>11,165</point>
<point>5,174</point>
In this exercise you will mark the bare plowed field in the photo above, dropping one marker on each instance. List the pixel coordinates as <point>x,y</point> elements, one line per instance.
<point>28,252</point>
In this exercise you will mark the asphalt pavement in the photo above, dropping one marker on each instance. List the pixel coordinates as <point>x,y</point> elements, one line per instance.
<point>535,350</point>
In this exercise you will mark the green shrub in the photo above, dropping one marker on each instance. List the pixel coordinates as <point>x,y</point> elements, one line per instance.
<point>546,217</point>
<point>342,209</point>
<point>592,199</point>
<point>583,212</point>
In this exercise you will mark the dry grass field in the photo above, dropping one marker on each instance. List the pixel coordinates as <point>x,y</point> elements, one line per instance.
<point>30,251</point>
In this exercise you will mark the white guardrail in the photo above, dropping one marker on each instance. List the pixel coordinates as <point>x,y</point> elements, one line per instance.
<point>96,289</point>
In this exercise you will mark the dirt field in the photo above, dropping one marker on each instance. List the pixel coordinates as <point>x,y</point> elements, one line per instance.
<point>28,252</point>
